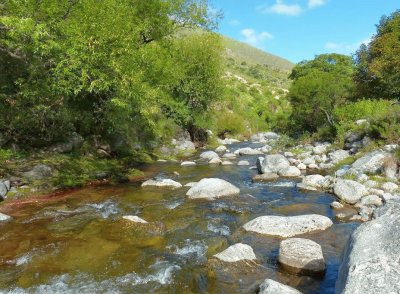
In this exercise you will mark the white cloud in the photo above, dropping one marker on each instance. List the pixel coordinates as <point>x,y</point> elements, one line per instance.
<point>254,38</point>
<point>316,3</point>
<point>345,48</point>
<point>281,8</point>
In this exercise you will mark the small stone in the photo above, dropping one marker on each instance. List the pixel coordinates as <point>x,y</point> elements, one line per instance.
<point>371,200</point>
<point>389,187</point>
<point>221,149</point>
<point>243,162</point>
<point>134,218</point>
<point>4,217</point>
<point>212,188</point>
<point>163,183</point>
<point>215,161</point>
<point>302,166</point>
<point>290,171</point>
<point>313,166</point>
<point>209,155</point>
<point>188,163</point>
<point>336,205</point>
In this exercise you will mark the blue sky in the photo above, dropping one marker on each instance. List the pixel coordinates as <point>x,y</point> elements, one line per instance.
<point>301,29</point>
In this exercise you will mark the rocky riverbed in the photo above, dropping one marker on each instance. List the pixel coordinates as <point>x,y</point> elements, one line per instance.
<point>242,218</point>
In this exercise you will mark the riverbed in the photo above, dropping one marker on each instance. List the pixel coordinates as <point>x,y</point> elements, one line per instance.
<point>80,243</point>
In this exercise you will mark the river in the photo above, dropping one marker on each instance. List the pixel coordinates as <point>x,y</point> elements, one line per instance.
<point>81,244</point>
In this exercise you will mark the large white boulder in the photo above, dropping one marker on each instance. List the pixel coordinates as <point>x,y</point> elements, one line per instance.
<point>163,183</point>
<point>301,256</point>
<point>209,155</point>
<point>211,188</point>
<point>370,163</point>
<point>349,191</point>
<point>273,163</point>
<point>288,226</point>
<point>237,252</point>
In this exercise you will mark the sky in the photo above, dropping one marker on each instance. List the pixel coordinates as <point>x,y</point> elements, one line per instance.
<point>300,29</point>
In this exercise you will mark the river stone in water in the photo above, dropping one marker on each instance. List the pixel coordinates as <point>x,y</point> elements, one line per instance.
<point>209,155</point>
<point>211,188</point>
<point>4,217</point>
<point>267,177</point>
<point>288,226</point>
<point>237,252</point>
<point>372,256</point>
<point>188,163</point>
<point>163,183</point>
<point>349,191</point>
<point>134,218</point>
<point>273,287</point>
<point>290,171</point>
<point>301,256</point>
<point>248,151</point>
<point>273,163</point>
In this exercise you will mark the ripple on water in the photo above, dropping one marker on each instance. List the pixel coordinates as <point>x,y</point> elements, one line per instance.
<point>192,249</point>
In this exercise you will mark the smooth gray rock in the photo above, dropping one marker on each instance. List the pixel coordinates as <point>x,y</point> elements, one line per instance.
<point>273,163</point>
<point>288,226</point>
<point>209,155</point>
<point>272,287</point>
<point>267,177</point>
<point>371,200</point>
<point>370,163</point>
<point>237,252</point>
<point>338,155</point>
<point>162,183</point>
<point>301,256</point>
<point>336,205</point>
<point>188,163</point>
<point>243,162</point>
<point>248,151</point>
<point>371,262</point>
<point>221,149</point>
<point>212,188</point>
<point>290,171</point>
<point>313,182</point>
<point>215,161</point>
<point>39,172</point>
<point>349,191</point>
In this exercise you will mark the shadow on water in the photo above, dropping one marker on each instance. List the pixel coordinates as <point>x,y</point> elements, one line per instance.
<point>81,243</point>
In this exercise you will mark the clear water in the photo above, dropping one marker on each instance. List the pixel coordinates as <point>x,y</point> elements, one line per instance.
<point>79,243</point>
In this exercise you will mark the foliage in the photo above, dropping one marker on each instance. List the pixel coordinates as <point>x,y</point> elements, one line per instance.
<point>319,86</point>
<point>382,119</point>
<point>102,68</point>
<point>378,63</point>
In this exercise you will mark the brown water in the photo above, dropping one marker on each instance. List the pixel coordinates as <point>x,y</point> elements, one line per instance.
<point>80,244</point>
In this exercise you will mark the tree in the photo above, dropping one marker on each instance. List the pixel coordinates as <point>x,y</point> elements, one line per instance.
<point>378,63</point>
<point>318,87</point>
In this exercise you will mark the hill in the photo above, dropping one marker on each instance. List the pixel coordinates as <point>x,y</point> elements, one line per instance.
<point>243,52</point>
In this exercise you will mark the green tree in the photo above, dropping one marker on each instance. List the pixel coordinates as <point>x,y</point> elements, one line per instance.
<point>318,87</point>
<point>378,63</point>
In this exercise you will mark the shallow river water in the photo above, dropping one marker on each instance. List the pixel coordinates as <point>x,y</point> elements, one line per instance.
<point>81,244</point>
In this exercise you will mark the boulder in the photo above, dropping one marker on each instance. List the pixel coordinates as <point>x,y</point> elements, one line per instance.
<point>338,155</point>
<point>290,171</point>
<point>313,182</point>
<point>349,191</point>
<point>273,163</point>
<point>272,287</point>
<point>188,163</point>
<point>302,256</point>
<point>248,151</point>
<point>267,177</point>
<point>134,218</point>
<point>243,162</point>
<point>39,172</point>
<point>209,155</point>
<point>302,166</point>
<point>390,167</point>
<point>371,200</point>
<point>162,183</point>
<point>288,226</point>
<point>221,149</point>
<point>320,149</point>
<point>309,160</point>
<point>390,187</point>
<point>215,161</point>
<point>237,252</point>
<point>4,217</point>
<point>336,205</point>
<point>182,145</point>
<point>371,163</point>
<point>371,258</point>
<point>211,188</point>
